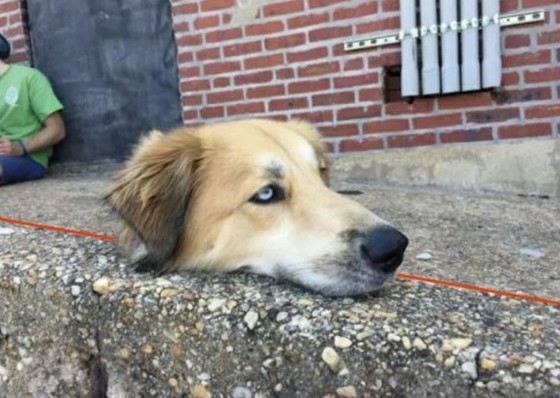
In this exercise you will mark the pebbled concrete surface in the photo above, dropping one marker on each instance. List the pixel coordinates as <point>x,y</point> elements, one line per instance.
<point>501,241</point>
<point>74,321</point>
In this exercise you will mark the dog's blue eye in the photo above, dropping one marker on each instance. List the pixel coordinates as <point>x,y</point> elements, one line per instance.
<point>268,194</point>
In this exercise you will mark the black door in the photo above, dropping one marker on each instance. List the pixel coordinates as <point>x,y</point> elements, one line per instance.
<point>113,65</point>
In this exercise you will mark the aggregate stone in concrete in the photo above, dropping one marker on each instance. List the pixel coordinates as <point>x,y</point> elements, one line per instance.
<point>503,241</point>
<point>48,316</point>
<point>75,321</point>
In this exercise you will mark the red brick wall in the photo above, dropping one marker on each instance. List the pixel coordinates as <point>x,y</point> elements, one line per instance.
<point>12,26</point>
<point>290,62</point>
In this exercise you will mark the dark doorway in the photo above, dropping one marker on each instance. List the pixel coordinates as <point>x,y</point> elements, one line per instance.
<point>113,65</point>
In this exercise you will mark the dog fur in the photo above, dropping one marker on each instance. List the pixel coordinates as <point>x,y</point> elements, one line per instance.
<point>253,196</point>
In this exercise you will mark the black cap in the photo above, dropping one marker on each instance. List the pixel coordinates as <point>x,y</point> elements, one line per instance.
<point>4,47</point>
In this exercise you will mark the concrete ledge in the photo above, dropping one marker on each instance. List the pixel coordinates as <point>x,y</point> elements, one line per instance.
<point>76,322</point>
<point>520,167</point>
<point>88,327</point>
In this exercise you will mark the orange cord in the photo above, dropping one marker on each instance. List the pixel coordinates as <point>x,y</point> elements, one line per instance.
<point>416,278</point>
<point>480,289</point>
<point>57,229</point>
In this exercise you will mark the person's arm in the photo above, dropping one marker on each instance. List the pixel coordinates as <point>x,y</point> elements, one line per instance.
<point>53,132</point>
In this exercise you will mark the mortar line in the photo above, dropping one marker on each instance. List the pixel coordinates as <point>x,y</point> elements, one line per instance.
<point>400,275</point>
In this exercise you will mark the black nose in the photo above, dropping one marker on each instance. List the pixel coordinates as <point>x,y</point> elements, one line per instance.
<point>384,248</point>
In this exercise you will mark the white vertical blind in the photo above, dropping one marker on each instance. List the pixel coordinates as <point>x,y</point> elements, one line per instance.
<point>449,48</point>
<point>470,65</point>
<point>430,60</point>
<point>409,50</point>
<point>491,61</point>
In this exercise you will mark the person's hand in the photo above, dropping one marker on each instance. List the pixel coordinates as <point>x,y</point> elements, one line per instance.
<point>10,148</point>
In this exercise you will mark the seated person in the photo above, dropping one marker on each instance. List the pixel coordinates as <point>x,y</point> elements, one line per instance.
<point>30,121</point>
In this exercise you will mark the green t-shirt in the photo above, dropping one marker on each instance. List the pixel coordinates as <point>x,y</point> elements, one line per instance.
<point>26,100</point>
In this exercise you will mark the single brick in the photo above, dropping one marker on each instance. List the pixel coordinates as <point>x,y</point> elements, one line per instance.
<point>525,130</point>
<point>207,53</point>
<point>466,100</point>
<point>508,5</point>
<point>285,104</point>
<point>466,135</point>
<point>210,5</point>
<point>220,82</point>
<point>205,22</point>
<point>263,29</point>
<point>278,42</point>
<point>411,140</point>
<point>195,85</point>
<point>215,68</point>
<point>340,130</point>
<point>308,86</point>
<point>365,144</point>
<point>335,32</point>
<point>543,75</point>
<point>386,125</point>
<point>373,94</point>
<point>253,77</point>
<point>307,20</point>
<point>284,73</point>
<point>390,5</point>
<point>324,3</point>
<point>542,111</point>
<point>345,97</point>
<point>224,96</point>
<point>389,23</point>
<point>246,108</point>
<point>307,55</point>
<point>359,112</point>
<point>430,122</point>
<point>367,8</point>
<point>266,91</point>
<point>423,105</point>
<point>549,37</point>
<point>263,61</point>
<point>363,79</point>
<point>286,7</point>
<point>191,100</point>
<point>223,35</point>
<point>528,58</point>
<point>323,68</point>
<point>316,116</point>
<point>209,112</point>
<point>237,49</point>
<point>507,96</point>
<point>493,115</point>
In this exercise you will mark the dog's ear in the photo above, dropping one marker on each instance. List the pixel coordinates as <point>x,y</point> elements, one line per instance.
<point>151,194</point>
<point>313,136</point>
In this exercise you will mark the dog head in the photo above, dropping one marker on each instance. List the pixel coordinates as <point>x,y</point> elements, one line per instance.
<point>252,196</point>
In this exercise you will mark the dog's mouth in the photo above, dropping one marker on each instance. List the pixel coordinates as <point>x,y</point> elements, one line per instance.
<point>357,281</point>
<point>371,259</point>
<point>350,276</point>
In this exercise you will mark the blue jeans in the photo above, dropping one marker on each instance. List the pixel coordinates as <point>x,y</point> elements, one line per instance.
<point>19,169</point>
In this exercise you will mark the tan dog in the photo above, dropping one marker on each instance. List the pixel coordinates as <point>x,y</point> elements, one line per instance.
<point>251,195</point>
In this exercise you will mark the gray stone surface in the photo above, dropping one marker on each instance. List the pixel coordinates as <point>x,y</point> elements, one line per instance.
<point>74,321</point>
<point>518,166</point>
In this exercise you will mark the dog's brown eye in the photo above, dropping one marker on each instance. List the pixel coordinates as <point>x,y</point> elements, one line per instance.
<point>268,194</point>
